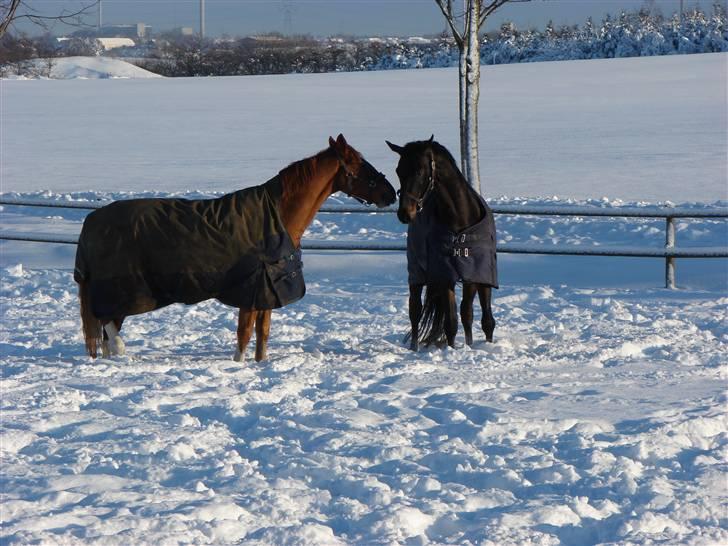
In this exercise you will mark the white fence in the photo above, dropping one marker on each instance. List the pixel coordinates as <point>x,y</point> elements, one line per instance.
<point>669,252</point>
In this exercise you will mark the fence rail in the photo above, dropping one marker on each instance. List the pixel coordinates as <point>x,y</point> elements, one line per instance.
<point>528,210</point>
<point>669,252</point>
<point>506,248</point>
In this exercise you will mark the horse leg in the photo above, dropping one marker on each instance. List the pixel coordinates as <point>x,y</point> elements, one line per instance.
<point>112,344</point>
<point>451,315</point>
<point>488,322</point>
<point>246,320</point>
<point>415,312</point>
<point>105,352</point>
<point>466,311</point>
<point>262,331</point>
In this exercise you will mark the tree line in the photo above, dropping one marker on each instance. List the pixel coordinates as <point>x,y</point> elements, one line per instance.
<point>640,33</point>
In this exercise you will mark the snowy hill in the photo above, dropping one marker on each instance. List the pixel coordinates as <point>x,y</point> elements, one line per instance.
<point>87,68</point>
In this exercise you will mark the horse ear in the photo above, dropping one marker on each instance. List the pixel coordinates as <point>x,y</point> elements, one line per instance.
<point>339,145</point>
<point>396,149</point>
<point>432,137</point>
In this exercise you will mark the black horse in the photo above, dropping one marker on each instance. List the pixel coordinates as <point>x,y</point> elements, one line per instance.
<point>450,238</point>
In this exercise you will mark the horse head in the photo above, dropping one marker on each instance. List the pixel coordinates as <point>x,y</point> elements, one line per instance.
<point>358,178</point>
<point>416,172</point>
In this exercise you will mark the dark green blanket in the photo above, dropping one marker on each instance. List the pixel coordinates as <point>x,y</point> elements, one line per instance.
<point>234,249</point>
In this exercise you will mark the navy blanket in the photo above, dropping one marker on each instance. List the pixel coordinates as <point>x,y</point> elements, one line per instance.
<point>435,254</point>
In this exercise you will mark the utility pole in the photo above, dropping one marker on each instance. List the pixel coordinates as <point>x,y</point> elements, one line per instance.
<point>287,17</point>
<point>202,19</point>
<point>681,13</point>
<point>98,22</point>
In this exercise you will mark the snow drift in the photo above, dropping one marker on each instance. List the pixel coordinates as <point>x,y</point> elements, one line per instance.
<point>86,68</point>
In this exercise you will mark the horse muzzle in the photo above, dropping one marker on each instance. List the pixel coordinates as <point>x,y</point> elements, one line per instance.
<point>388,198</point>
<point>407,210</point>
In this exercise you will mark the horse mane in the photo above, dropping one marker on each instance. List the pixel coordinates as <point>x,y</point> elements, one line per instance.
<point>298,174</point>
<point>444,153</point>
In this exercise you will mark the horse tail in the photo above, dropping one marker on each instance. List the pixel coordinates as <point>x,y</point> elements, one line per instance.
<point>91,325</point>
<point>432,318</point>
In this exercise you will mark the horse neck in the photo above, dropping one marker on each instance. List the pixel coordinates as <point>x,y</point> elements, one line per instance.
<point>457,205</point>
<point>302,199</point>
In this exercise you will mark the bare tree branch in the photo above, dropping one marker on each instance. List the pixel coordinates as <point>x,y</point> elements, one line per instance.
<point>468,15</point>
<point>487,9</point>
<point>9,15</point>
<point>450,18</point>
<point>73,18</point>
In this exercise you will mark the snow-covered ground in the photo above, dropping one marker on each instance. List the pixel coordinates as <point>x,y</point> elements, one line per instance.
<point>641,129</point>
<point>597,417</point>
<point>85,68</point>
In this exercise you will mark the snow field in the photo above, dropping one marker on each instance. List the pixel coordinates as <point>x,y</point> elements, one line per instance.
<point>596,417</point>
<point>641,129</point>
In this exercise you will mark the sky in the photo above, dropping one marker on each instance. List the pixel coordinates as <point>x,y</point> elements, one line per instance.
<point>331,17</point>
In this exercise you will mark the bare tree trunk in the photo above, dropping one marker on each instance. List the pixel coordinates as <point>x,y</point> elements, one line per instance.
<point>462,88</point>
<point>48,64</point>
<point>472,94</point>
<point>468,86</point>
<point>468,42</point>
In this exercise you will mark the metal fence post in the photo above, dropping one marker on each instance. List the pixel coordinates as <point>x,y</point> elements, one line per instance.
<point>670,260</point>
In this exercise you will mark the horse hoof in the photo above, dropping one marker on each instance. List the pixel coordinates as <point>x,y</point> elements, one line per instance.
<point>114,347</point>
<point>239,357</point>
<point>414,347</point>
<point>117,347</point>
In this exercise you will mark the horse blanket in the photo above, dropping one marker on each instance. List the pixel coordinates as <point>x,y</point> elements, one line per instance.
<point>234,249</point>
<point>435,254</point>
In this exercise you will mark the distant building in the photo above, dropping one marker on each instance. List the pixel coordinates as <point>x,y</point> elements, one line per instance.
<point>134,31</point>
<point>267,38</point>
<point>112,43</point>
<point>110,37</point>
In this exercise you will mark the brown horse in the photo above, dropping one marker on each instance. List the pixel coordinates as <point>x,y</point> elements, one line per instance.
<point>450,238</point>
<point>243,249</point>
